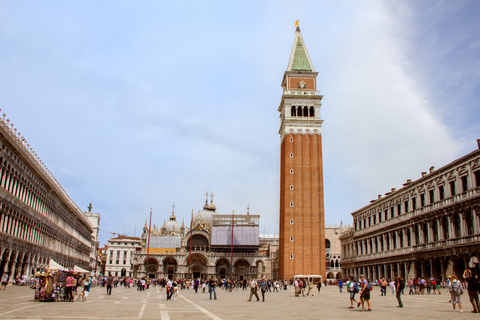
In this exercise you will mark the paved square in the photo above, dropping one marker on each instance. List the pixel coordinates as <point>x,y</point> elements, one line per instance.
<point>17,303</point>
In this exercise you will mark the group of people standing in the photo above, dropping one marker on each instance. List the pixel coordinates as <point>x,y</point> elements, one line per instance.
<point>454,285</point>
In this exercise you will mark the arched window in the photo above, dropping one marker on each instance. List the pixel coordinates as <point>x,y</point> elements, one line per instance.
<point>332,264</point>
<point>305,111</point>
<point>337,265</point>
<point>312,112</point>
<point>293,111</point>
<point>327,244</point>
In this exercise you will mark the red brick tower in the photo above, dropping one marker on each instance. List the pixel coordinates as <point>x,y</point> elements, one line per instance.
<point>302,224</point>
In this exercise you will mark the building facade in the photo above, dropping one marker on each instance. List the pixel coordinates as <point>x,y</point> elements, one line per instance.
<point>428,228</point>
<point>38,220</point>
<point>119,255</point>
<point>302,233</point>
<point>333,251</point>
<point>220,245</point>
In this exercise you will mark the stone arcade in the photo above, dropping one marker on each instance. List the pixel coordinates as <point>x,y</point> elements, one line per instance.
<point>38,220</point>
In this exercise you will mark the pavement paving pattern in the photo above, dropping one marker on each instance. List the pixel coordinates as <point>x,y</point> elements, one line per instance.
<point>18,303</point>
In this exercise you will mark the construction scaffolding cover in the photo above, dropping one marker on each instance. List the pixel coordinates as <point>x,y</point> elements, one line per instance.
<point>166,242</point>
<point>245,230</point>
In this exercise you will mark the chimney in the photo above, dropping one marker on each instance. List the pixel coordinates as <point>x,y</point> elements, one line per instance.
<point>432,168</point>
<point>393,189</point>
<point>424,174</point>
<point>478,142</point>
<point>409,180</point>
<point>379,196</point>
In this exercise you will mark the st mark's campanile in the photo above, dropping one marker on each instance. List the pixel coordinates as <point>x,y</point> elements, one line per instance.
<point>302,224</point>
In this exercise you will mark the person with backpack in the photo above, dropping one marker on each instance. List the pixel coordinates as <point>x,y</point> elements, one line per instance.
<point>365,293</point>
<point>399,286</point>
<point>352,288</point>
<point>456,292</point>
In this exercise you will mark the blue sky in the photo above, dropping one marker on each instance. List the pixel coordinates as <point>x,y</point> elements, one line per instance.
<point>134,105</point>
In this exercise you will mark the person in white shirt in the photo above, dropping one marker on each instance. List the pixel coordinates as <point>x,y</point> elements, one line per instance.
<point>253,289</point>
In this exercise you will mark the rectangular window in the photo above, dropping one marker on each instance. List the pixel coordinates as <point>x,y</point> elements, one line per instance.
<point>364,222</point>
<point>431,196</point>
<point>422,200</point>
<point>386,215</point>
<point>399,209</point>
<point>406,206</point>
<point>392,213</point>
<point>116,262</point>
<point>375,219</point>
<point>452,188</point>
<point>464,183</point>
<point>380,217</point>
<point>414,203</point>
<point>477,178</point>
<point>441,192</point>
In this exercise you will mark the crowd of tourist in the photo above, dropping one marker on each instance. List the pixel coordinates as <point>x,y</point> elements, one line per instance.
<point>456,287</point>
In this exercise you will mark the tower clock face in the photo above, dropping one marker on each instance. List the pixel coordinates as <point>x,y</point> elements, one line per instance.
<point>301,84</point>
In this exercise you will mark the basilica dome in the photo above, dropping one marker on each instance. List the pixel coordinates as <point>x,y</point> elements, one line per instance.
<point>172,226</point>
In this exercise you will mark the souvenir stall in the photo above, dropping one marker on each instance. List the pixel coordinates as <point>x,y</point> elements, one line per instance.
<point>48,283</point>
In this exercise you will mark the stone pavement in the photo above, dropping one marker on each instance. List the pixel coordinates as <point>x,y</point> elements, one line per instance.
<point>17,303</point>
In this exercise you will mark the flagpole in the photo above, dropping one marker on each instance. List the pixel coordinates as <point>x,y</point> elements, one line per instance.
<point>231,250</point>
<point>149,228</point>
<point>191,232</point>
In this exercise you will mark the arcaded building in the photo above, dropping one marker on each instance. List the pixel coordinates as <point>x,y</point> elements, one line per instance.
<point>302,233</point>
<point>38,220</point>
<point>428,228</point>
<point>213,244</point>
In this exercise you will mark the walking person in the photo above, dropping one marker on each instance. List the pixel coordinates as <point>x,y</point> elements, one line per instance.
<point>253,289</point>
<point>473,288</point>
<point>352,288</point>
<point>456,292</point>
<point>5,280</point>
<point>310,286</point>
<point>263,288</point>
<point>169,289</point>
<point>340,285</point>
<point>410,285</point>
<point>365,293</point>
<point>399,286</point>
<point>319,285</point>
<point>109,284</point>
<point>212,283</point>
<point>384,287</point>
<point>69,287</point>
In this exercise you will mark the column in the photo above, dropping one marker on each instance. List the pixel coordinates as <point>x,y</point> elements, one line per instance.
<point>451,231</point>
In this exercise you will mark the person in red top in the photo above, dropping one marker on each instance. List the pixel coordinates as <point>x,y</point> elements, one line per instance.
<point>69,287</point>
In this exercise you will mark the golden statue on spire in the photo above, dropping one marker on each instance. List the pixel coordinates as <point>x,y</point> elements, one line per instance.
<point>296,24</point>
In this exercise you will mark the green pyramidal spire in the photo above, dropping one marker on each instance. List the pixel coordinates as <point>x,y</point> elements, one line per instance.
<point>299,58</point>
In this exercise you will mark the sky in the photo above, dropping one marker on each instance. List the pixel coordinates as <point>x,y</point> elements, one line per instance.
<point>135,105</point>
